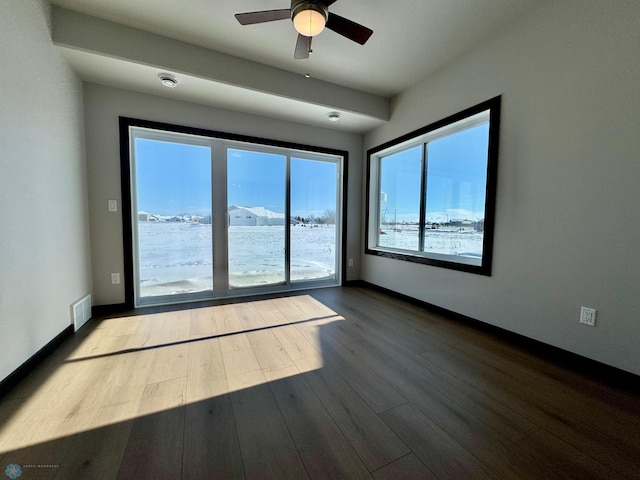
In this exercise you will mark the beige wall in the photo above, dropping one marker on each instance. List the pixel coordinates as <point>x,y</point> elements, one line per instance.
<point>44,244</point>
<point>103,106</point>
<point>567,230</point>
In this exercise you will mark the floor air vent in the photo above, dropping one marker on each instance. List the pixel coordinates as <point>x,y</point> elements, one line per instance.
<point>81,312</point>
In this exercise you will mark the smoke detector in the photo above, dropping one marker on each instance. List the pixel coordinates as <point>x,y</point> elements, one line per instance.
<point>334,116</point>
<point>168,80</point>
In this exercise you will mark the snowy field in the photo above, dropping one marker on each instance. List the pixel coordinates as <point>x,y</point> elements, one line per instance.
<point>256,254</point>
<point>466,243</point>
<point>177,257</point>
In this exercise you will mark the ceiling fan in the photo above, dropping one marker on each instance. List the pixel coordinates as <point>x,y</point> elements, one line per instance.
<point>309,18</point>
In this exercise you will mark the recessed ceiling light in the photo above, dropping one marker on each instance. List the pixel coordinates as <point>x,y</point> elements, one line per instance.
<point>168,80</point>
<point>334,116</point>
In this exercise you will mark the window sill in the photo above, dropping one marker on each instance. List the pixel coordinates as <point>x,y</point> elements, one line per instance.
<point>480,266</point>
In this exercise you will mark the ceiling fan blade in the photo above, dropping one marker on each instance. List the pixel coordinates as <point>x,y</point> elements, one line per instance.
<point>303,47</point>
<point>352,30</point>
<point>328,2</point>
<point>264,16</point>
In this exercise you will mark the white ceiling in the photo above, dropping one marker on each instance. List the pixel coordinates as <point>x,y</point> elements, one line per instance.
<point>411,40</point>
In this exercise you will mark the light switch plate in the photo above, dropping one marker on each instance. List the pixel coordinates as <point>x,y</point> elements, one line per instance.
<point>588,316</point>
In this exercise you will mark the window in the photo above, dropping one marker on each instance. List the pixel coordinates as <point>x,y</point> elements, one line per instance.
<point>431,193</point>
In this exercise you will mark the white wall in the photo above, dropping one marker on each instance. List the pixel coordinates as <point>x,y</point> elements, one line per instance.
<point>568,219</point>
<point>44,243</point>
<point>103,106</point>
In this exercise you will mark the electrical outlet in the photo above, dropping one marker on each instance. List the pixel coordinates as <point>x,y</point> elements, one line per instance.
<point>588,316</point>
<point>112,205</point>
<point>115,278</point>
<point>351,262</point>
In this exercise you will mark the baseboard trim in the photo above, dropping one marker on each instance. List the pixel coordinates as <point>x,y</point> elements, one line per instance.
<point>607,374</point>
<point>106,310</point>
<point>27,367</point>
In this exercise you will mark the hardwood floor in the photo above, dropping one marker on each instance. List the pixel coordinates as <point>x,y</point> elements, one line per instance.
<point>336,383</point>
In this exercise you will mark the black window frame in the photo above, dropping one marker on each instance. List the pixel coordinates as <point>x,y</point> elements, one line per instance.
<point>493,106</point>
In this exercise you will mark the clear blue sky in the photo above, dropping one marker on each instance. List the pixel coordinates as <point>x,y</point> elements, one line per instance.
<point>457,176</point>
<point>175,178</point>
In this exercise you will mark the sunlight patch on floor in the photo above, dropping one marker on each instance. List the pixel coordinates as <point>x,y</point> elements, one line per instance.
<point>130,367</point>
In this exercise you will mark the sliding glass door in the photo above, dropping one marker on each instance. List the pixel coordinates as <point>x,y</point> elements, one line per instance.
<point>213,218</point>
<point>172,225</point>
<point>314,209</point>
<point>256,234</point>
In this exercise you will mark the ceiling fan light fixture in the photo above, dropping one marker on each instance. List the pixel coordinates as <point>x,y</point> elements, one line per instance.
<point>309,18</point>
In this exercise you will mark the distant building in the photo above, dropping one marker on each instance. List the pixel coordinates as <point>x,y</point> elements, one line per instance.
<point>462,225</point>
<point>253,216</point>
<point>146,217</point>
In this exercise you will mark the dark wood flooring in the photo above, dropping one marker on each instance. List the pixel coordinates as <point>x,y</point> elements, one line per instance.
<point>341,383</point>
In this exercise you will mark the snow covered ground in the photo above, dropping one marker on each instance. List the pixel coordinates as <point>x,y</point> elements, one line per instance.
<point>446,241</point>
<point>256,254</point>
<point>177,257</point>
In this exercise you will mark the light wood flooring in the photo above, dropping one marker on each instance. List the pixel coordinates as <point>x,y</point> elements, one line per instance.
<point>342,383</point>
